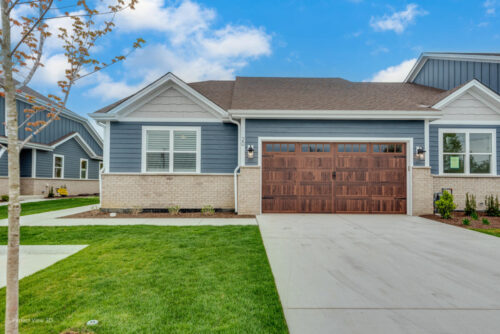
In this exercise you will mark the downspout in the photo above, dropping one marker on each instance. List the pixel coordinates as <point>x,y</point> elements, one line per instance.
<point>235,173</point>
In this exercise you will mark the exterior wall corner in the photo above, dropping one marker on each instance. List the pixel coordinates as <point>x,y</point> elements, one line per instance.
<point>249,190</point>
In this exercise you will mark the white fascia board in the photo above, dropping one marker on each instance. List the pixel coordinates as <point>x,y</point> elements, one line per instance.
<point>168,78</point>
<point>82,143</point>
<point>338,114</point>
<point>2,151</point>
<point>478,90</point>
<point>30,145</point>
<point>447,56</point>
<point>67,113</point>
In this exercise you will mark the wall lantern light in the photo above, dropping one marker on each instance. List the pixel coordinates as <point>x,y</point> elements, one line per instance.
<point>250,151</point>
<point>420,153</point>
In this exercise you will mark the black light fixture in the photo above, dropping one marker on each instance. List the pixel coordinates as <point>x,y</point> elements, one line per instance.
<point>250,151</point>
<point>420,153</point>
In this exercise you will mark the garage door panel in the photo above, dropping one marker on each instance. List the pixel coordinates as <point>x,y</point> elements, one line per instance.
<point>388,205</point>
<point>352,205</point>
<point>280,189</point>
<point>352,176</point>
<point>315,189</point>
<point>280,204</point>
<point>344,178</point>
<point>343,161</point>
<point>352,190</point>
<point>388,190</point>
<point>280,175</point>
<point>315,205</point>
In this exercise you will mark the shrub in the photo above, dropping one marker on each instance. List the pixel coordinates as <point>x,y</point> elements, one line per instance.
<point>492,206</point>
<point>5,198</point>
<point>208,210</point>
<point>51,192</point>
<point>174,210</point>
<point>466,221</point>
<point>474,216</point>
<point>63,192</point>
<point>445,205</point>
<point>470,205</point>
<point>485,221</point>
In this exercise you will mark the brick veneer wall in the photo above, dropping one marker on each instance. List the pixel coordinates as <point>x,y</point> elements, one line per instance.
<point>126,191</point>
<point>478,186</point>
<point>249,187</point>
<point>422,191</point>
<point>39,186</point>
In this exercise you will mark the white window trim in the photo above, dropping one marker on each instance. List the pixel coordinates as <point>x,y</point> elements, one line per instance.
<point>467,132</point>
<point>86,169</point>
<point>54,166</point>
<point>171,129</point>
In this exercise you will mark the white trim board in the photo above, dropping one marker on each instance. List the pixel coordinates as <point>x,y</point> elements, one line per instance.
<point>338,114</point>
<point>466,153</point>
<point>171,148</point>
<point>409,157</point>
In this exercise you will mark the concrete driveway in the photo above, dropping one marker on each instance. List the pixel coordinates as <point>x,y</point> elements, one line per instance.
<point>383,274</point>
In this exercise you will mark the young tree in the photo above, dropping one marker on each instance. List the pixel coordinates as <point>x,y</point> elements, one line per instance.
<point>22,45</point>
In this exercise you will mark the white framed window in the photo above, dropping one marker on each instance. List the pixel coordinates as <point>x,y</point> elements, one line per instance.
<point>467,152</point>
<point>84,169</point>
<point>168,149</point>
<point>58,163</point>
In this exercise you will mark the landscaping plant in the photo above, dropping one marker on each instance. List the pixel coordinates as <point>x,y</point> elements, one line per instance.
<point>174,210</point>
<point>485,221</point>
<point>445,205</point>
<point>492,206</point>
<point>51,192</point>
<point>208,210</point>
<point>474,216</point>
<point>466,221</point>
<point>5,198</point>
<point>470,205</point>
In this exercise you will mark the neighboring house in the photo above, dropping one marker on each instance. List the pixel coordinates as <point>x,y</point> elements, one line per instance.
<point>67,153</point>
<point>325,145</point>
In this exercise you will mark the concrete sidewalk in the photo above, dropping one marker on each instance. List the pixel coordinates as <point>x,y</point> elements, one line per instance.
<point>35,258</point>
<point>383,274</point>
<point>52,218</point>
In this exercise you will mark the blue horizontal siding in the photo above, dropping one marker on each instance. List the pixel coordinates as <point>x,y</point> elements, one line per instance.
<point>52,132</point>
<point>448,74</point>
<point>4,164</point>
<point>73,152</point>
<point>219,146</point>
<point>434,142</point>
<point>332,128</point>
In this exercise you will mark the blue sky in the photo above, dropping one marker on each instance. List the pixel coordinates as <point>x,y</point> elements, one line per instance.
<point>200,40</point>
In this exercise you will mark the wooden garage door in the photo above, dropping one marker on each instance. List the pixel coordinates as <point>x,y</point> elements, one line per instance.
<point>334,177</point>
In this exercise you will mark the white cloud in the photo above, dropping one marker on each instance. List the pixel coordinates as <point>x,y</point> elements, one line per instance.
<point>491,6</point>
<point>191,48</point>
<point>107,89</point>
<point>52,71</point>
<point>398,21</point>
<point>395,73</point>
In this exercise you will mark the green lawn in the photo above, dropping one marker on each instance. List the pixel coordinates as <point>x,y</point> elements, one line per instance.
<point>52,205</point>
<point>151,279</point>
<point>495,232</point>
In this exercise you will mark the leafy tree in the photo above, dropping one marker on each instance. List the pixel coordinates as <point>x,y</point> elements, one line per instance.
<point>22,45</point>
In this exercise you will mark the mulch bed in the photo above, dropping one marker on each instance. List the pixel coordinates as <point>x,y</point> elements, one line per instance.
<point>457,218</point>
<point>101,214</point>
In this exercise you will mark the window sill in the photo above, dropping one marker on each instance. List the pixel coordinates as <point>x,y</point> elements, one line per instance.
<point>467,175</point>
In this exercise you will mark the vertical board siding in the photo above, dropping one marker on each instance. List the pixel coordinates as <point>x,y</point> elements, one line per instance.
<point>332,128</point>
<point>54,131</point>
<point>448,74</point>
<point>219,146</point>
<point>434,142</point>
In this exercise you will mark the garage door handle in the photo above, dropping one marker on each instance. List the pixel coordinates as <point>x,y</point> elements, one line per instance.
<point>334,175</point>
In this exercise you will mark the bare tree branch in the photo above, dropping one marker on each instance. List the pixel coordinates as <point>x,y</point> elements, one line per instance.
<point>32,28</point>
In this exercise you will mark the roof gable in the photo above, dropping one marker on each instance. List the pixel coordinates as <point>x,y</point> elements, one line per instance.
<point>474,88</point>
<point>156,91</point>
